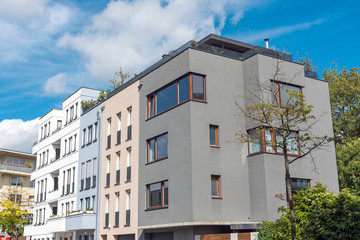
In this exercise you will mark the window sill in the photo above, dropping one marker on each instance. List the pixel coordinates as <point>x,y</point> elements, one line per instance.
<point>106,186</point>
<point>273,153</point>
<point>156,208</point>
<point>216,197</point>
<point>115,226</point>
<point>128,139</point>
<point>106,227</point>
<point>148,163</point>
<point>107,148</point>
<point>213,146</point>
<point>116,184</point>
<point>117,144</point>
<point>127,225</point>
<point>95,140</point>
<point>128,181</point>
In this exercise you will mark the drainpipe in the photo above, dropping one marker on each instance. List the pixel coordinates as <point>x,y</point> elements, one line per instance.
<point>97,226</point>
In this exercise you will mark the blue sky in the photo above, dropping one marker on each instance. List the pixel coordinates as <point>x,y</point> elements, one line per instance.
<point>49,48</point>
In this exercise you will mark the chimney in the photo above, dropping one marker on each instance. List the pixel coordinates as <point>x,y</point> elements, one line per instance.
<point>266,42</point>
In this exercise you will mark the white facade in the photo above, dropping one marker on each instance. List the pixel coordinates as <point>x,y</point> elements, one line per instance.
<point>56,174</point>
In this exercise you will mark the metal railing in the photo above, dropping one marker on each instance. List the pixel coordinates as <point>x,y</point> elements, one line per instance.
<point>118,137</point>
<point>106,219</point>
<point>107,180</point>
<point>127,217</point>
<point>310,74</point>
<point>117,176</point>
<point>116,219</point>
<point>128,174</point>
<point>15,168</point>
<point>129,128</point>
<point>108,141</point>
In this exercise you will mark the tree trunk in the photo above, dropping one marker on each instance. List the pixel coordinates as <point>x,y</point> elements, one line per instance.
<point>289,197</point>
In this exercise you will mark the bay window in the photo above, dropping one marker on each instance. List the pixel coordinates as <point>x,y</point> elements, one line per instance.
<point>270,141</point>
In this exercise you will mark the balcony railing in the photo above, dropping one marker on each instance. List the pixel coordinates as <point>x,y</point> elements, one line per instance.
<point>127,217</point>
<point>82,184</point>
<point>117,176</point>
<point>310,74</point>
<point>67,189</point>
<point>16,168</point>
<point>94,182</point>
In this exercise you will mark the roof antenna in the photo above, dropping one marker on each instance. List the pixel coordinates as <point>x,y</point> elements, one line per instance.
<point>266,42</point>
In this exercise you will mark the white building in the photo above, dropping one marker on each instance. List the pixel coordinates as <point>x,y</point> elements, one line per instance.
<point>56,175</point>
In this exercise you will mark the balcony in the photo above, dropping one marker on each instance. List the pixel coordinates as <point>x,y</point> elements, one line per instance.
<point>80,221</point>
<point>17,168</point>
<point>310,74</point>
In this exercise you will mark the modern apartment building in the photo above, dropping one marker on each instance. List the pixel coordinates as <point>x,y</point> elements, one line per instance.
<point>56,174</point>
<point>15,184</point>
<point>194,179</point>
<point>158,158</point>
<point>119,167</point>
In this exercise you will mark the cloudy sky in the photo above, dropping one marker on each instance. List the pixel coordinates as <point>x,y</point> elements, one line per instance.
<point>49,48</point>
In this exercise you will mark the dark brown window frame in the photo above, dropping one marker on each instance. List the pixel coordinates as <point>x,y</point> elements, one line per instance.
<point>162,196</point>
<point>153,95</point>
<point>273,139</point>
<point>155,148</point>
<point>218,186</point>
<point>307,179</point>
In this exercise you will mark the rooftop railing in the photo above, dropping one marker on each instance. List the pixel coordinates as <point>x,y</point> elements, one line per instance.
<point>15,168</point>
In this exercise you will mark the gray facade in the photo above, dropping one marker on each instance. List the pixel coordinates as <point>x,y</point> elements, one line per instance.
<point>248,184</point>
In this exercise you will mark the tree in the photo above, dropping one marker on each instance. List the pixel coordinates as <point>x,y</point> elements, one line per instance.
<point>308,63</point>
<point>115,82</point>
<point>344,87</point>
<point>12,219</point>
<point>320,214</point>
<point>348,164</point>
<point>287,119</point>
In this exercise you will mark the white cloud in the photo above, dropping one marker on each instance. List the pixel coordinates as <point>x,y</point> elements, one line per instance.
<point>133,34</point>
<point>28,26</point>
<point>276,32</point>
<point>17,134</point>
<point>58,84</point>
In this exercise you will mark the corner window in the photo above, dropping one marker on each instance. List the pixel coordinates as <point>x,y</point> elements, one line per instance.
<point>269,140</point>
<point>157,148</point>
<point>298,183</point>
<point>215,186</point>
<point>280,95</point>
<point>189,87</point>
<point>157,195</point>
<point>214,136</point>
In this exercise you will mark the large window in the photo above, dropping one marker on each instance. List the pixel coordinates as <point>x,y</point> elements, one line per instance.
<point>16,181</point>
<point>298,183</point>
<point>16,161</point>
<point>189,87</point>
<point>215,186</point>
<point>281,97</point>
<point>157,195</point>
<point>270,141</point>
<point>157,148</point>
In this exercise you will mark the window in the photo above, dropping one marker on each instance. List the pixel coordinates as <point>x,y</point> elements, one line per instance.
<point>128,164</point>
<point>94,172</point>
<point>89,134</point>
<point>157,148</point>
<point>215,186</point>
<point>88,175</point>
<point>127,217</point>
<point>16,181</point>
<point>109,133</point>
<point>84,137</point>
<point>189,87</point>
<point>107,211</point>
<point>107,171</point>
<point>15,198</point>
<point>268,141</point>
<point>118,134</point>
<point>82,176</point>
<point>117,168</point>
<point>117,209</point>
<point>129,128</point>
<point>87,203</point>
<point>298,183</point>
<point>281,97</point>
<point>70,144</point>
<point>214,136</point>
<point>95,131</point>
<point>15,161</point>
<point>157,195</point>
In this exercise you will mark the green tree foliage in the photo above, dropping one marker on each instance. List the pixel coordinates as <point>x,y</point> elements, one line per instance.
<point>344,89</point>
<point>12,219</point>
<point>348,164</point>
<point>308,63</point>
<point>320,214</point>
<point>292,115</point>
<point>117,81</point>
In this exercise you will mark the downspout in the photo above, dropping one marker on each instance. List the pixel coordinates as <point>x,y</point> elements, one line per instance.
<point>97,226</point>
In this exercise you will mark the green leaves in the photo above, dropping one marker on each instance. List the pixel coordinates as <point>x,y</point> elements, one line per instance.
<point>12,219</point>
<point>320,214</point>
